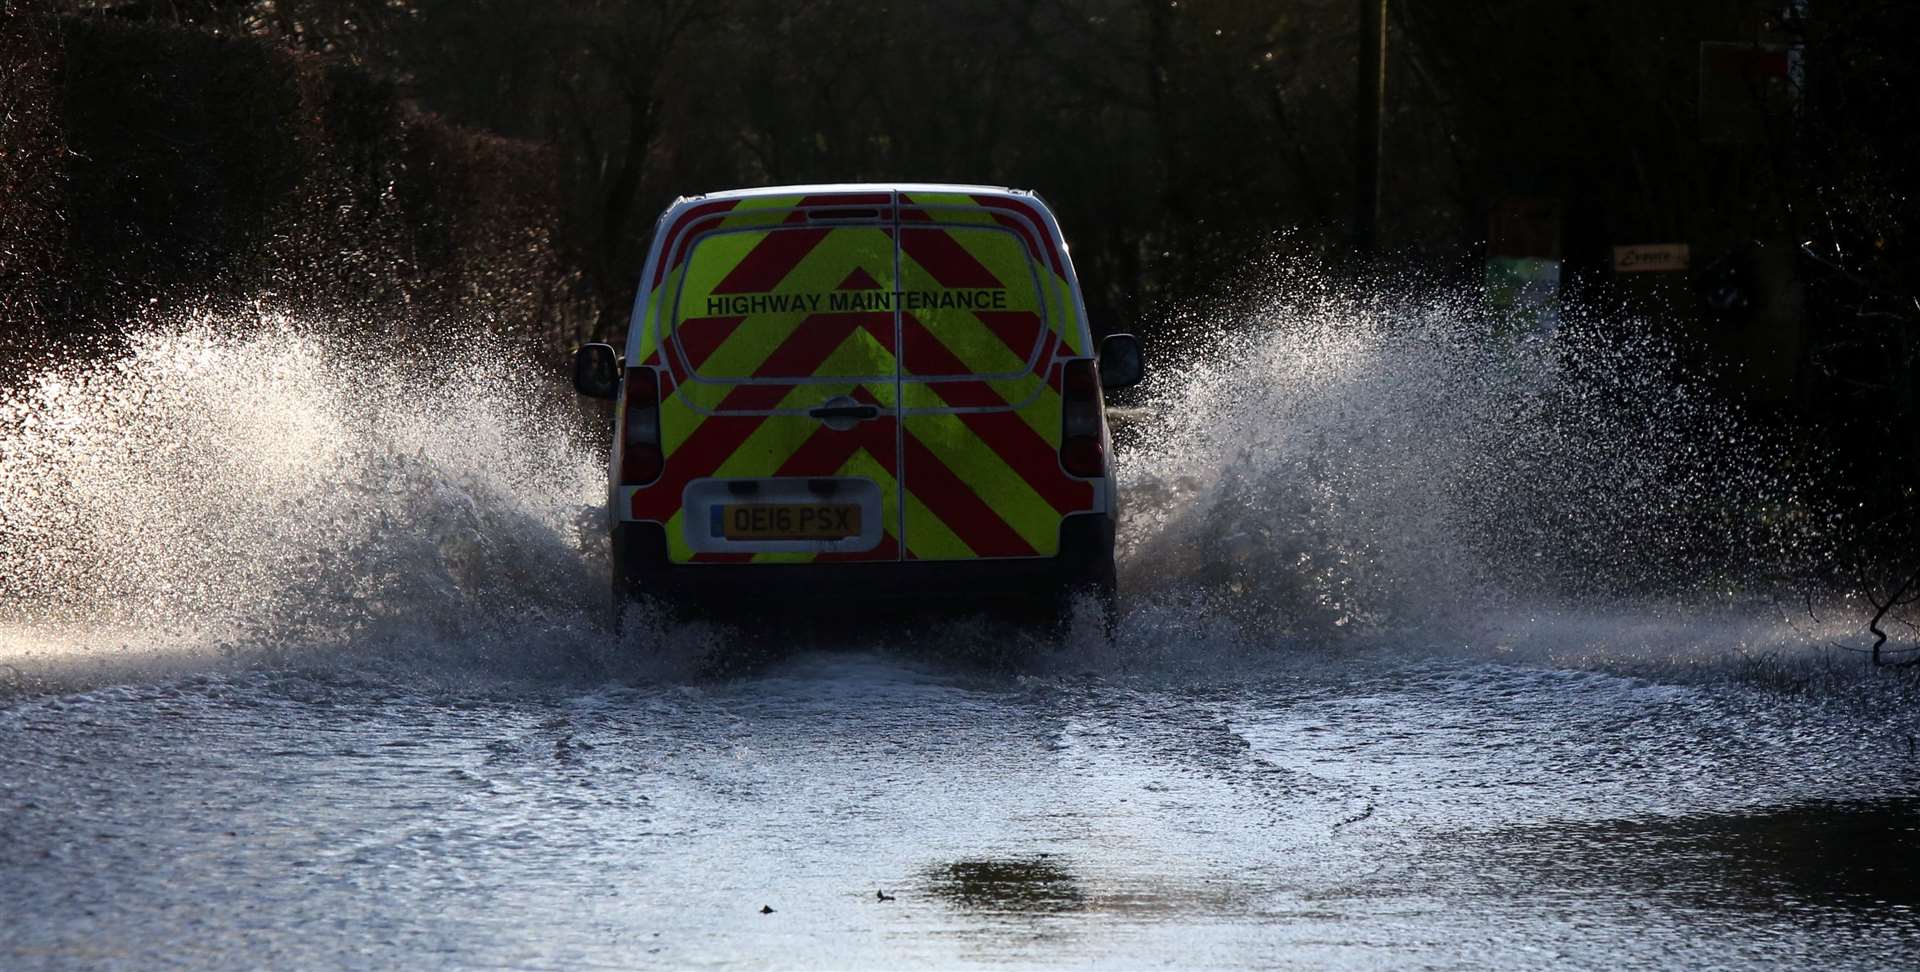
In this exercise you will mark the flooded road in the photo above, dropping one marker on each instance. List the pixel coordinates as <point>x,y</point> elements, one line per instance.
<point>894,809</point>
<point>1440,652</point>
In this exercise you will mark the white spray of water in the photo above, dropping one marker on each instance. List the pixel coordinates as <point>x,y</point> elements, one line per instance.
<point>1332,463</point>
<point>1344,463</point>
<point>247,483</point>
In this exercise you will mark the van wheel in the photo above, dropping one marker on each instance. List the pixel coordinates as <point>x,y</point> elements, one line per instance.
<point>627,607</point>
<point>617,609</point>
<point>646,611</point>
<point>1106,614</point>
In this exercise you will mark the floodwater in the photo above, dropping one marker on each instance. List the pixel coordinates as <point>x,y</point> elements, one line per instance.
<point>1425,664</point>
<point>1365,812</point>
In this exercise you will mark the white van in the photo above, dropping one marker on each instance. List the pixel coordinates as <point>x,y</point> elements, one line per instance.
<point>832,396</point>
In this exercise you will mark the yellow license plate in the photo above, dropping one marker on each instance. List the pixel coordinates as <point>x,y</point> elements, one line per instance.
<point>789,521</point>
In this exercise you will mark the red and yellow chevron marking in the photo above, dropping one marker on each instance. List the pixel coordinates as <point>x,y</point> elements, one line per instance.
<point>948,312</point>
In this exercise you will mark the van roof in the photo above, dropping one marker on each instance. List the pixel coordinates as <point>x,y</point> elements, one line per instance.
<point>858,187</point>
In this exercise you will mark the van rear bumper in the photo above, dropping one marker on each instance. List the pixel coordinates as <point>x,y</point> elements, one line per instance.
<point>1085,561</point>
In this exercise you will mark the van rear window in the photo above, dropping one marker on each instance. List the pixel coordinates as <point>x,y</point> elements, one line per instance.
<point>801,301</point>
<point>790,302</point>
<point>980,310</point>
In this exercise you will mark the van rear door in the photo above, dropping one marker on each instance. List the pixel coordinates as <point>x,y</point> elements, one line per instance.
<point>987,312</point>
<point>783,421</point>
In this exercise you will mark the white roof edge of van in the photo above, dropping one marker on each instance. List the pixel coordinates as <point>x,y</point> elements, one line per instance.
<point>842,187</point>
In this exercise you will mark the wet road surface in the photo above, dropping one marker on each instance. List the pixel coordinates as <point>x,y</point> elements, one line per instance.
<point>894,808</point>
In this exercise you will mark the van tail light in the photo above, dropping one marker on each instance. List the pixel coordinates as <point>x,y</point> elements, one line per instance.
<point>1083,449</point>
<point>640,458</point>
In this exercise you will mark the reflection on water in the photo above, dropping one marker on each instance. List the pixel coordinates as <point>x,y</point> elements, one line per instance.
<point>1040,884</point>
<point>1860,858</point>
<point>1845,855</point>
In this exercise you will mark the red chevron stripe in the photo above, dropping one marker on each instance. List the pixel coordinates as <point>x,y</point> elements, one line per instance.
<point>1031,226</point>
<point>672,374</point>
<point>699,337</point>
<point>957,505</point>
<point>1032,458</point>
<point>663,365</point>
<point>1018,330</point>
<point>817,337</point>
<point>922,345</point>
<point>760,270</point>
<point>942,256</point>
<point>1043,365</point>
<point>923,354</point>
<point>770,261</point>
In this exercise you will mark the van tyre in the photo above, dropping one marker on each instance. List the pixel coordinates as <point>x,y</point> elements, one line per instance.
<point>1070,621</point>
<point>639,558</point>
<point>1094,579</point>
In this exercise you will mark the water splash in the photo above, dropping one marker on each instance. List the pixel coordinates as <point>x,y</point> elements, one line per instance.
<point>249,482</point>
<point>1337,460</point>
<point>1334,463</point>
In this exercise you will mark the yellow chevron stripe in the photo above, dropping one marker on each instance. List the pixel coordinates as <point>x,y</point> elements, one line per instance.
<point>975,463</point>
<point>862,465</point>
<point>1060,310</point>
<point>655,318</point>
<point>929,537</point>
<point>860,353</point>
<point>773,442</point>
<point>1041,412</point>
<point>1039,403</point>
<point>756,211</point>
<point>678,420</point>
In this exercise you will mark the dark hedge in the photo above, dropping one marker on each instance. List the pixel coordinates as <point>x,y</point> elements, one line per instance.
<point>145,168</point>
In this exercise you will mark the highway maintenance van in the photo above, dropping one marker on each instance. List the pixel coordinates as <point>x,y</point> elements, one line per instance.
<point>836,395</point>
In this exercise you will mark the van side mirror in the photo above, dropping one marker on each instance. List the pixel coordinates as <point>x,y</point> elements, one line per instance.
<point>1120,365</point>
<point>596,371</point>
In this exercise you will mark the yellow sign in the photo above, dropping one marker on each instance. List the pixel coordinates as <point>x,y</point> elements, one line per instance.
<point>1650,256</point>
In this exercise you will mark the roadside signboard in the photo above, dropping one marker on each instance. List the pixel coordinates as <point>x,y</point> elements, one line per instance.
<point>1650,257</point>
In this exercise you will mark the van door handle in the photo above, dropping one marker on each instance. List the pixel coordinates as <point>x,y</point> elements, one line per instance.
<point>859,412</point>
